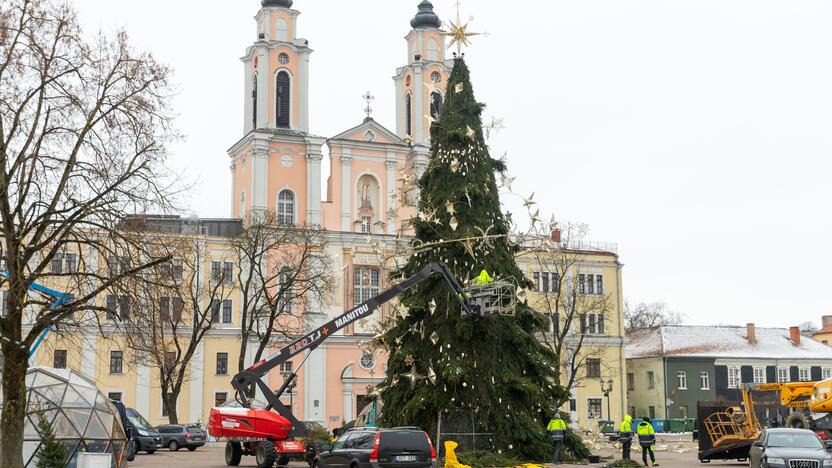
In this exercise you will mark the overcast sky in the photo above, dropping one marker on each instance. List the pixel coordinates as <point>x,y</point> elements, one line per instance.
<point>695,134</point>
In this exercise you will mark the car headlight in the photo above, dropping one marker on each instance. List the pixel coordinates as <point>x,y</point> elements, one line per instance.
<point>143,432</point>
<point>775,461</point>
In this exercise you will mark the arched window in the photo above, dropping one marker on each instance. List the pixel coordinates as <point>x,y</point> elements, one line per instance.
<point>408,117</point>
<point>433,50</point>
<point>284,100</point>
<point>254,101</point>
<point>435,104</point>
<point>281,28</point>
<point>286,207</point>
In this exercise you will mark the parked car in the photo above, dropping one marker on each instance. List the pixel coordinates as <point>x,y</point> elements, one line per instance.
<point>145,436</point>
<point>176,436</point>
<point>792,448</point>
<point>374,447</point>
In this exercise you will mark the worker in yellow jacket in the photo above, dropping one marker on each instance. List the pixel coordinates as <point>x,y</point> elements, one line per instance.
<point>625,436</point>
<point>557,432</point>
<point>647,438</point>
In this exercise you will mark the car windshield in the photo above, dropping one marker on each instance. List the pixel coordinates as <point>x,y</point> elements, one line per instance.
<point>794,440</point>
<point>195,430</point>
<point>137,419</point>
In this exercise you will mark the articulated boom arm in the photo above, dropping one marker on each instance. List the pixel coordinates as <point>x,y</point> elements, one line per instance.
<point>253,375</point>
<point>59,299</point>
<point>792,394</point>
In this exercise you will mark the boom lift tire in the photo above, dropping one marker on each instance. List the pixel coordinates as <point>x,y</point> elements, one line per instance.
<point>797,421</point>
<point>265,454</point>
<point>283,461</point>
<point>233,453</point>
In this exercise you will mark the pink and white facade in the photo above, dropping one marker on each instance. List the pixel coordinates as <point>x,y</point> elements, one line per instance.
<point>277,166</point>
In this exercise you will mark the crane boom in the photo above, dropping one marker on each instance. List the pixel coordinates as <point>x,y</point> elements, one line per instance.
<point>59,299</point>
<point>309,342</point>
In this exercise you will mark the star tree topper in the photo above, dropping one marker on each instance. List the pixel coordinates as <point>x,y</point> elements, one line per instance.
<point>459,32</point>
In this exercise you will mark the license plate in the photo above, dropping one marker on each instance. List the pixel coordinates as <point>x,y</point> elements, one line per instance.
<point>404,458</point>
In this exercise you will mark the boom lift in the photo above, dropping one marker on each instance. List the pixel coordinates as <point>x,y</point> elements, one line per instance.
<point>59,299</point>
<point>734,430</point>
<point>271,435</point>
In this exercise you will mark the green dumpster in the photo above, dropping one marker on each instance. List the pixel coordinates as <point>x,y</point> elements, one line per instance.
<point>690,425</point>
<point>606,426</point>
<point>674,425</point>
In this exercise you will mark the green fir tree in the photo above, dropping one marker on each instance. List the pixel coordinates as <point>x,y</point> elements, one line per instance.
<point>52,453</point>
<point>491,371</point>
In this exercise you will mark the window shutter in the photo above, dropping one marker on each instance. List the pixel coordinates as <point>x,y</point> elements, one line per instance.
<point>283,99</point>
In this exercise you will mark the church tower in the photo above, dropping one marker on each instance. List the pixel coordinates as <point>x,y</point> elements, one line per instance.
<point>420,85</point>
<point>276,166</point>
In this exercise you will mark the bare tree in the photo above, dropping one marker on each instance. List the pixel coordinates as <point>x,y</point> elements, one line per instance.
<point>83,130</point>
<point>180,304</point>
<point>648,315</point>
<point>576,304</point>
<point>282,269</point>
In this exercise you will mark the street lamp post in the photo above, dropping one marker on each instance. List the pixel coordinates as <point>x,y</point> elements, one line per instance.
<point>606,389</point>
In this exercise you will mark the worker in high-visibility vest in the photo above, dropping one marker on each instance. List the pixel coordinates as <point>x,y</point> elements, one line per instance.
<point>484,279</point>
<point>625,436</point>
<point>647,438</point>
<point>557,432</point>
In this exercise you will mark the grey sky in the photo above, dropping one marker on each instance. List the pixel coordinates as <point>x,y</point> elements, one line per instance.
<point>694,133</point>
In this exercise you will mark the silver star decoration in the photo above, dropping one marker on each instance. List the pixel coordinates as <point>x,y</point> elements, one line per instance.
<point>504,158</point>
<point>413,376</point>
<point>528,202</point>
<point>455,165</point>
<point>459,88</point>
<point>408,360</point>
<point>507,181</point>
<point>471,133</point>
<point>469,248</point>
<point>450,208</point>
<point>521,295</point>
<point>453,223</point>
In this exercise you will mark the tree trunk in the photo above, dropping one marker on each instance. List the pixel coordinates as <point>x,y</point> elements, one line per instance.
<point>170,403</point>
<point>14,405</point>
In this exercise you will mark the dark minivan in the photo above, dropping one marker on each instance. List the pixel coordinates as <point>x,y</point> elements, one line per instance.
<point>370,447</point>
<point>176,436</point>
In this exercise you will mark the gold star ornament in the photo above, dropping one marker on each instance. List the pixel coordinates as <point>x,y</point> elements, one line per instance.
<point>459,33</point>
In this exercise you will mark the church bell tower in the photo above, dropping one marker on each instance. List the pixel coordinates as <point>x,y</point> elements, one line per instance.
<point>420,85</point>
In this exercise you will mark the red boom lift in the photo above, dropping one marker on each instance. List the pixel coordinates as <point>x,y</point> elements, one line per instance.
<point>271,436</point>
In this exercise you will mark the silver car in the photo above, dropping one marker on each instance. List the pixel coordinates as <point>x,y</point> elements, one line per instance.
<point>789,448</point>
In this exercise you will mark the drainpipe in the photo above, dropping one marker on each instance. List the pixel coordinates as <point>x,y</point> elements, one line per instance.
<point>623,349</point>
<point>664,370</point>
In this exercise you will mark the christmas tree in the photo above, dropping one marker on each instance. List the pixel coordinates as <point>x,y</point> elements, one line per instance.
<point>52,453</point>
<point>491,372</point>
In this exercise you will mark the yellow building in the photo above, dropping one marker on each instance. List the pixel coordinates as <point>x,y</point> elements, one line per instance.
<point>591,326</point>
<point>824,335</point>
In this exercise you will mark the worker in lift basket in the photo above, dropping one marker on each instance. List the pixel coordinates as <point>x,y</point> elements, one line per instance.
<point>647,438</point>
<point>557,432</point>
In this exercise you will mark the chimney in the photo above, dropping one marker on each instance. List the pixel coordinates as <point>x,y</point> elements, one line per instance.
<point>794,334</point>
<point>751,334</point>
<point>556,238</point>
<point>826,321</point>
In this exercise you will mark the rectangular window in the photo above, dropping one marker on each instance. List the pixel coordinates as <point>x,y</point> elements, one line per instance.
<point>782,374</point>
<point>599,284</point>
<point>220,398</point>
<point>226,311</point>
<point>826,373</point>
<point>593,408</point>
<point>111,306</point>
<point>59,359</point>
<point>178,306</point>
<point>124,307</point>
<point>536,277</point>
<point>366,225</point>
<point>286,367</point>
<point>631,382</point>
<point>704,381</point>
<point>573,405</point>
<point>58,263</point>
<point>216,270</point>
<point>759,375</point>
<point>555,281</point>
<point>651,410</point>
<point>683,411</point>
<point>170,362</point>
<point>227,272</point>
<point>115,396</point>
<point>4,305</point>
<point>165,410</point>
<point>366,284</point>
<point>683,380</point>
<point>804,374</point>
<point>582,284</point>
<point>592,324</point>
<point>593,368</point>
<point>734,377</point>
<point>164,309</point>
<point>651,380</point>
<point>222,363</point>
<point>590,284</point>
<point>215,310</point>
<point>545,277</point>
<point>116,362</point>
